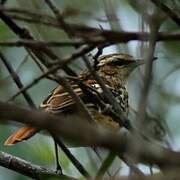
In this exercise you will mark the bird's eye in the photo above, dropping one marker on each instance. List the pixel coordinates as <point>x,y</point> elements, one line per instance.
<point>119,62</point>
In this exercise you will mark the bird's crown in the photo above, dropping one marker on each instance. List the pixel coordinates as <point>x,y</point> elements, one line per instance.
<point>118,59</point>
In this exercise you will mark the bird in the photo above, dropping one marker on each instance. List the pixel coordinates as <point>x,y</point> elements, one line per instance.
<point>114,69</point>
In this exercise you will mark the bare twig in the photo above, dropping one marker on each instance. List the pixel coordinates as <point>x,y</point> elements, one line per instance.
<point>77,164</point>
<point>25,12</point>
<point>114,22</point>
<point>38,44</point>
<point>35,60</point>
<point>25,34</point>
<point>22,63</point>
<point>16,79</point>
<point>109,35</point>
<point>78,42</point>
<point>144,93</point>
<point>26,168</point>
<point>59,17</point>
<point>169,12</point>
<point>147,78</point>
<point>59,65</point>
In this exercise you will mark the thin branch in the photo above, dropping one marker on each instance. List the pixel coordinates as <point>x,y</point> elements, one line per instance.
<point>26,12</point>
<point>147,78</point>
<point>112,36</point>
<point>118,36</point>
<point>78,42</point>
<point>74,161</point>
<point>64,61</point>
<point>25,59</point>
<point>108,35</point>
<point>35,60</point>
<point>25,34</point>
<point>169,12</point>
<point>17,80</point>
<point>114,22</point>
<point>39,44</point>
<point>26,168</point>
<point>41,67</point>
<point>144,93</point>
<point>59,17</point>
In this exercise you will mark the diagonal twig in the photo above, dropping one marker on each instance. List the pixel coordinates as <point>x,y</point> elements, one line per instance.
<point>134,145</point>
<point>17,80</point>
<point>53,69</point>
<point>26,168</point>
<point>74,161</point>
<point>169,12</point>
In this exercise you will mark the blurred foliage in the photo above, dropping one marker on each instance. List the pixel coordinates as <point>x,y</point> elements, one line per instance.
<point>164,98</point>
<point>47,176</point>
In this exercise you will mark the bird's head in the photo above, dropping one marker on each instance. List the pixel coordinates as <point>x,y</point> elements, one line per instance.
<point>117,64</point>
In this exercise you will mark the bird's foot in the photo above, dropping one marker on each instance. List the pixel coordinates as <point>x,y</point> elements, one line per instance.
<point>59,170</point>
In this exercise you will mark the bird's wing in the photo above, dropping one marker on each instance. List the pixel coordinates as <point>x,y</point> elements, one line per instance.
<point>58,101</point>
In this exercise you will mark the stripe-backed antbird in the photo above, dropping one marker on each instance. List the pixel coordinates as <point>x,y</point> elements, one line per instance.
<point>114,70</point>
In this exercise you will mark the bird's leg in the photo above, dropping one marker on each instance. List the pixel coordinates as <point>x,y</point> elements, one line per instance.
<point>58,166</point>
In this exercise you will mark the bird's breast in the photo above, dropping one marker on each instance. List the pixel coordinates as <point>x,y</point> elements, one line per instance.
<point>121,96</point>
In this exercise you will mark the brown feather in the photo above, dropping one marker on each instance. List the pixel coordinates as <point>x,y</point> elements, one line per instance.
<point>20,135</point>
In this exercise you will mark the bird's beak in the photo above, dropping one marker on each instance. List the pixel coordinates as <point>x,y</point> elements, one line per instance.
<point>139,62</point>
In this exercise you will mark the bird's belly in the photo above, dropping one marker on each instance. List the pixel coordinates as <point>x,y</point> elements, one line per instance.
<point>104,120</point>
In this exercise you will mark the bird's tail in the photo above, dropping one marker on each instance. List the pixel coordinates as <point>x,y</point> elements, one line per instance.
<point>20,135</point>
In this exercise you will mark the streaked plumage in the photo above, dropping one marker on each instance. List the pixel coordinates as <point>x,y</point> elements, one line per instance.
<point>113,69</point>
